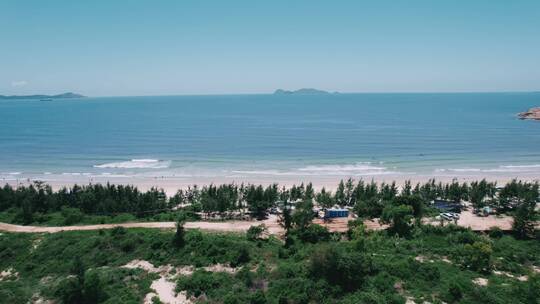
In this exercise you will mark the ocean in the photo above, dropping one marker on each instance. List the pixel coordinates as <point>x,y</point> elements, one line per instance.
<point>274,137</point>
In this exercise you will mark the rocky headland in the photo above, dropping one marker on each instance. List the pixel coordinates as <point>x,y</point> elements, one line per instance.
<point>533,113</point>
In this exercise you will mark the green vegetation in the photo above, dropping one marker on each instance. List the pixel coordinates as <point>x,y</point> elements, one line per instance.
<point>434,264</point>
<point>37,204</point>
<point>308,265</point>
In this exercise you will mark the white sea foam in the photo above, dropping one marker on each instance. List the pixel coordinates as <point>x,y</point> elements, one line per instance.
<point>499,169</point>
<point>263,172</point>
<point>465,170</point>
<point>315,173</point>
<point>137,164</point>
<point>358,167</point>
<point>522,166</point>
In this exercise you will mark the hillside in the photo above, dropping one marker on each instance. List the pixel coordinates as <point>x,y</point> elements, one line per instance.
<point>59,96</point>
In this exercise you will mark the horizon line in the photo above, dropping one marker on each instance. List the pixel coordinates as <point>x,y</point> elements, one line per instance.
<point>272,93</point>
<point>329,93</point>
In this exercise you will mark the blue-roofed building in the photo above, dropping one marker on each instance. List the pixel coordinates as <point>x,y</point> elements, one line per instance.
<point>446,206</point>
<point>336,212</point>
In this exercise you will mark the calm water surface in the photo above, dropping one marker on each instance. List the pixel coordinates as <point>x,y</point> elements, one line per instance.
<point>281,135</point>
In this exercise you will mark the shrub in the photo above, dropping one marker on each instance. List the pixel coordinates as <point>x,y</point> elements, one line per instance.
<point>255,233</point>
<point>454,292</point>
<point>118,231</point>
<point>241,256</point>
<point>203,282</point>
<point>71,215</point>
<point>399,218</point>
<point>495,232</point>
<point>178,239</point>
<point>340,267</point>
<point>477,256</point>
<point>313,233</point>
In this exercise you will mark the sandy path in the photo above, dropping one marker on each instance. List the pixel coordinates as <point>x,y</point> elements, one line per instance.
<point>467,219</point>
<point>229,226</point>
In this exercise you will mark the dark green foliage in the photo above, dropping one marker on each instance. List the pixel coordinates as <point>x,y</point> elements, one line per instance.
<point>414,201</point>
<point>286,221</point>
<point>399,218</point>
<point>324,198</point>
<point>71,215</point>
<point>255,233</point>
<point>313,233</point>
<point>495,232</point>
<point>481,191</point>
<point>344,268</point>
<point>322,272</point>
<point>37,204</point>
<point>454,292</point>
<point>477,256</point>
<point>69,291</point>
<point>75,202</point>
<point>240,256</point>
<point>84,287</point>
<point>524,220</point>
<point>204,282</point>
<point>178,239</point>
<point>302,215</point>
<point>314,266</point>
<point>259,199</point>
<point>516,192</point>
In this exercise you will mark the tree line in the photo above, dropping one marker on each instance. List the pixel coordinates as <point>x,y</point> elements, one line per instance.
<point>367,199</point>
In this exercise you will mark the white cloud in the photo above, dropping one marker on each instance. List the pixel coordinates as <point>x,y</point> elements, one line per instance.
<point>19,83</point>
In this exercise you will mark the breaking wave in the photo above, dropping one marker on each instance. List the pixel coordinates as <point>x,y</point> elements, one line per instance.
<point>137,164</point>
<point>499,169</point>
<point>358,169</point>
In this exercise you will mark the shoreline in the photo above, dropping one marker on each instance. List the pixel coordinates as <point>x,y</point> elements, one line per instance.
<point>172,184</point>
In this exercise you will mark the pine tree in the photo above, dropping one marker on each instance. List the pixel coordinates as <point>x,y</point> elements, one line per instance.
<point>178,239</point>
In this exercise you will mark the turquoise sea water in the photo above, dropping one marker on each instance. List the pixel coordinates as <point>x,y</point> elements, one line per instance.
<point>360,135</point>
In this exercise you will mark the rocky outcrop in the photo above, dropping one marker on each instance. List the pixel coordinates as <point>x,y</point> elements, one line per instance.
<point>533,113</point>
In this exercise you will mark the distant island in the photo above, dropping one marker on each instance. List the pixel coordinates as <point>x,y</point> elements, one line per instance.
<point>533,114</point>
<point>46,97</point>
<point>304,91</point>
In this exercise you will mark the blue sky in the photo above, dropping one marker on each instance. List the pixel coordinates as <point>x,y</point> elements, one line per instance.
<point>107,48</point>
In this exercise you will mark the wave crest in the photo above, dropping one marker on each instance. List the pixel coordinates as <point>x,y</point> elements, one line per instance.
<point>358,167</point>
<point>137,164</point>
<point>500,169</point>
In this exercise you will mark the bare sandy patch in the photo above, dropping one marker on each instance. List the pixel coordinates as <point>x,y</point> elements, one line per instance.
<point>522,278</point>
<point>165,291</point>
<point>422,259</point>
<point>144,265</point>
<point>477,223</point>
<point>164,287</point>
<point>446,260</point>
<point>481,281</point>
<point>410,300</point>
<point>9,274</point>
<point>38,299</point>
<point>220,268</point>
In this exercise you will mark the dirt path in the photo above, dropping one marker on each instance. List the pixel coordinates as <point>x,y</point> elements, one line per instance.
<point>229,226</point>
<point>340,225</point>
